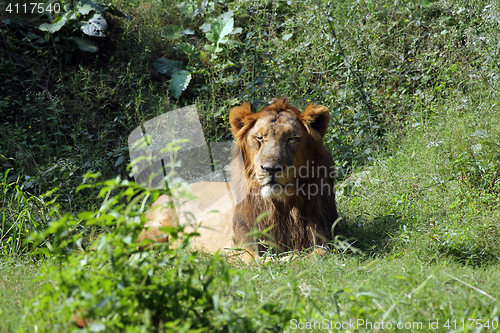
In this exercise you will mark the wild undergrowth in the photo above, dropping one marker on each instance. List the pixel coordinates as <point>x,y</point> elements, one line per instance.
<point>90,282</point>
<point>437,192</point>
<point>412,88</point>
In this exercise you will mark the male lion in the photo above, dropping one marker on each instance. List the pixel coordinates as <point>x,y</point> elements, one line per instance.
<point>283,169</point>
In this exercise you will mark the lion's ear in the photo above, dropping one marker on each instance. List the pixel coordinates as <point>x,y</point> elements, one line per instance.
<point>237,117</point>
<point>316,117</point>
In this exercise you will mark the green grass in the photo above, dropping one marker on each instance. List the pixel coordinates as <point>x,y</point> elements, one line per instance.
<point>413,90</point>
<point>405,290</point>
<point>436,192</point>
<point>339,288</point>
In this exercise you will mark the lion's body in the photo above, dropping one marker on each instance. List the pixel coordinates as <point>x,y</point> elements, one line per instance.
<point>280,166</point>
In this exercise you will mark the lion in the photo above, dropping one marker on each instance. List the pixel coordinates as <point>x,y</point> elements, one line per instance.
<point>282,183</point>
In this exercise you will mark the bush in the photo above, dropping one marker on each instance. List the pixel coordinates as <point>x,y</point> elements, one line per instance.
<point>21,213</point>
<point>113,285</point>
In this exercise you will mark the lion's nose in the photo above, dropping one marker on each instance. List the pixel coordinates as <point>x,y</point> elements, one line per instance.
<point>272,170</point>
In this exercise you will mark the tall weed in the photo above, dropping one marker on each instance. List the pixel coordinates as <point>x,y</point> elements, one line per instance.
<point>21,213</point>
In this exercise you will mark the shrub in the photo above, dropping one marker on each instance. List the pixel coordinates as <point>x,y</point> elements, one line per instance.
<point>112,284</point>
<point>21,213</point>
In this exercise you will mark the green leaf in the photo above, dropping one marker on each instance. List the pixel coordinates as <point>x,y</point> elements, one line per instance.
<point>116,12</point>
<point>211,37</point>
<point>187,31</point>
<point>206,27</point>
<point>187,48</point>
<point>223,27</point>
<point>166,66</point>
<point>427,3</point>
<point>84,7</point>
<point>210,48</point>
<point>172,32</point>
<point>85,215</point>
<point>179,83</point>
<point>220,29</point>
<point>227,14</point>
<point>286,37</point>
<point>213,48</point>
<point>119,161</point>
<point>96,26</point>
<point>86,45</point>
<point>236,31</point>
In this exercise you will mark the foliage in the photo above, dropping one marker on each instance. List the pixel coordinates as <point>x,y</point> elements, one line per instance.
<point>412,87</point>
<point>320,55</point>
<point>176,70</point>
<point>114,276</point>
<point>217,34</point>
<point>84,15</point>
<point>395,64</point>
<point>113,284</point>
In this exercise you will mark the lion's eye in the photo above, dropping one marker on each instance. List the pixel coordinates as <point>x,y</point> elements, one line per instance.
<point>293,139</point>
<point>259,138</point>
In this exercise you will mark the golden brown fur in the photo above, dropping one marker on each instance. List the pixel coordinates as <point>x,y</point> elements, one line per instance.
<point>283,169</point>
<point>291,143</point>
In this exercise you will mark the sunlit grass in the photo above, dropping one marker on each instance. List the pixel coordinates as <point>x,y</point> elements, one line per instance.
<point>16,290</point>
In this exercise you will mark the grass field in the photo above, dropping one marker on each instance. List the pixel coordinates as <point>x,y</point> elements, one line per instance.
<point>17,287</point>
<point>413,92</point>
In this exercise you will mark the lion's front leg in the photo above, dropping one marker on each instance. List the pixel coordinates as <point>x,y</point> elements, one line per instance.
<point>161,214</point>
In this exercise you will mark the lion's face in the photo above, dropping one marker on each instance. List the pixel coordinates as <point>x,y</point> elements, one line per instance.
<point>278,145</point>
<point>277,142</point>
